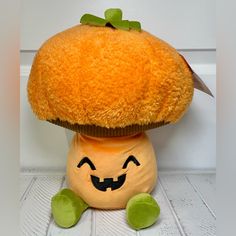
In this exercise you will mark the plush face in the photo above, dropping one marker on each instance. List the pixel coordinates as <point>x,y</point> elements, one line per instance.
<point>107,172</point>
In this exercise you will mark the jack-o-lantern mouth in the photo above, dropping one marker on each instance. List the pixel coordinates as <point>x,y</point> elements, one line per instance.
<point>108,183</point>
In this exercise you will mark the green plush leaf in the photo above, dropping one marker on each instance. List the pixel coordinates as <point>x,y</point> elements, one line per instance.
<point>113,14</point>
<point>123,25</point>
<point>88,19</point>
<point>135,25</point>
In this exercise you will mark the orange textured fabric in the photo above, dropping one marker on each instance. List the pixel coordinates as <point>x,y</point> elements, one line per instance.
<point>109,78</point>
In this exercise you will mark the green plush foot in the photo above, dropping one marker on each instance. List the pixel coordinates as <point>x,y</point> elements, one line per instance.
<point>142,211</point>
<point>67,208</point>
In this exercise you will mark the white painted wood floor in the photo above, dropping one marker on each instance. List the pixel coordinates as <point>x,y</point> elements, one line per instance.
<point>187,203</point>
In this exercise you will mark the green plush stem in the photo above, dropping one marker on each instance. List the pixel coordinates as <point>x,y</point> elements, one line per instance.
<point>113,18</point>
<point>142,211</point>
<point>113,14</point>
<point>67,208</point>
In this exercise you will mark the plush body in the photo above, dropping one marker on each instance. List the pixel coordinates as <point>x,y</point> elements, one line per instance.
<point>109,173</point>
<point>128,163</point>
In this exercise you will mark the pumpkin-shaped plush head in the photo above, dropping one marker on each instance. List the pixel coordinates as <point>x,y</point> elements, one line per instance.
<point>103,81</point>
<point>107,172</point>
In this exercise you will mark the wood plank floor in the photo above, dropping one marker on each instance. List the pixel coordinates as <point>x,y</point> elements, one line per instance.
<point>187,204</point>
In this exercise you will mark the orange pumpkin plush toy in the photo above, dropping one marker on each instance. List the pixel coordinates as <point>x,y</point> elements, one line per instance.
<point>109,81</point>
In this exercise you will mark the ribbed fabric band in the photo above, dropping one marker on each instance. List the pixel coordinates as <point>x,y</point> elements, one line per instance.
<point>97,131</point>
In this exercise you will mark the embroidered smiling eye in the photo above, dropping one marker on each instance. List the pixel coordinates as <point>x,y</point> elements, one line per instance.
<point>133,159</point>
<point>86,160</point>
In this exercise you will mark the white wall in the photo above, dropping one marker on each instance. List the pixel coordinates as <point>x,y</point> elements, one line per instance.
<point>186,24</point>
<point>42,145</point>
<point>191,143</point>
